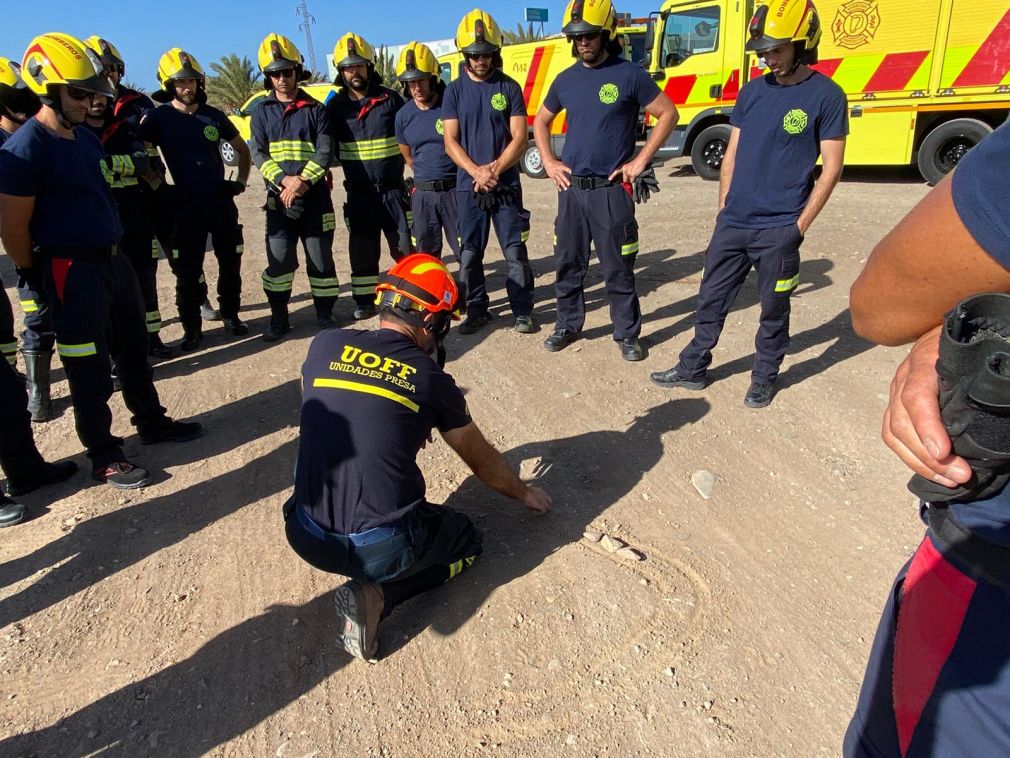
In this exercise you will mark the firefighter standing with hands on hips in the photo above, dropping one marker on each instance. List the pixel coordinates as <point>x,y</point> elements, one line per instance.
<point>371,401</point>
<point>419,130</point>
<point>484,116</point>
<point>130,161</point>
<point>782,122</point>
<point>54,194</point>
<point>189,133</point>
<point>292,147</point>
<point>602,94</point>
<point>362,116</point>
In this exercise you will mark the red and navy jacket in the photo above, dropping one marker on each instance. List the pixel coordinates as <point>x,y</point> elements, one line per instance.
<point>291,139</point>
<point>126,154</point>
<point>365,132</point>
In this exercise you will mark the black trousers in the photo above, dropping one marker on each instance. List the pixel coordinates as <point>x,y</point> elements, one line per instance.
<point>371,215</point>
<point>439,545</point>
<point>38,334</point>
<point>732,252</point>
<point>141,250</point>
<point>97,313</point>
<point>18,454</point>
<point>603,218</point>
<point>512,228</point>
<point>434,214</point>
<point>8,342</point>
<point>193,224</point>
<point>315,230</point>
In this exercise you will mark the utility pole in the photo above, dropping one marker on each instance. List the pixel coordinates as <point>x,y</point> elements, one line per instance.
<point>306,26</point>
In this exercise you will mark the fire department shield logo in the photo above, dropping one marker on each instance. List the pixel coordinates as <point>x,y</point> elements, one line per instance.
<point>856,23</point>
<point>211,133</point>
<point>609,94</point>
<point>499,102</point>
<point>795,121</point>
<point>439,127</point>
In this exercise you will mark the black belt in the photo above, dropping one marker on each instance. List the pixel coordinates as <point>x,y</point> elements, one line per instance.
<point>985,558</point>
<point>591,182</point>
<point>80,252</point>
<point>439,185</point>
<point>369,187</point>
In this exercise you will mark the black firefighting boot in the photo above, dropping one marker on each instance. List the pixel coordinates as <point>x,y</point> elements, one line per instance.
<point>279,323</point>
<point>37,364</point>
<point>974,376</point>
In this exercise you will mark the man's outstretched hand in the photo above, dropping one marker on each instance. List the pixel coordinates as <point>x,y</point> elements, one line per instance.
<point>537,500</point>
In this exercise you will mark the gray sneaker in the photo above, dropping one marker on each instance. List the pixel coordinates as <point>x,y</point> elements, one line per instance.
<point>359,608</point>
<point>525,325</point>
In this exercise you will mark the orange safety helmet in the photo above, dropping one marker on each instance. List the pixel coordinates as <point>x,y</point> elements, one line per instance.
<point>420,284</point>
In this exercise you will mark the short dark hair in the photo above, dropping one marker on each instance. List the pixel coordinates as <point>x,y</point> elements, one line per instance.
<point>389,313</point>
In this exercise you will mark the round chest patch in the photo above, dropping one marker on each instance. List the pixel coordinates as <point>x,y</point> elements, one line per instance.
<point>609,94</point>
<point>211,133</point>
<point>795,121</point>
<point>439,127</point>
<point>499,102</point>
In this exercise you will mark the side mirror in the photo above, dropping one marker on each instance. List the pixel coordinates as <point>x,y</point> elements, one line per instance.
<point>650,40</point>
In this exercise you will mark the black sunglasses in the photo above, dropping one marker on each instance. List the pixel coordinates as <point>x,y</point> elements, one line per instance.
<point>587,36</point>
<point>74,93</point>
<point>281,73</point>
<point>479,56</point>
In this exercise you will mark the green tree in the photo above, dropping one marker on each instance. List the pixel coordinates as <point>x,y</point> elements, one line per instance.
<point>521,34</point>
<point>233,82</point>
<point>385,67</point>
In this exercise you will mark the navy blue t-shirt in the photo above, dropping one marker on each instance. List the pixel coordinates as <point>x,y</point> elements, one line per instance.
<point>781,128</point>
<point>421,131</point>
<point>483,110</point>
<point>191,145</point>
<point>369,401</point>
<point>4,136</point>
<point>602,105</point>
<point>69,180</point>
<point>982,198</point>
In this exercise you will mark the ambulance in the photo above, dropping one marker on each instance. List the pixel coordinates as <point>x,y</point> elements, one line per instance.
<point>534,65</point>
<point>925,79</point>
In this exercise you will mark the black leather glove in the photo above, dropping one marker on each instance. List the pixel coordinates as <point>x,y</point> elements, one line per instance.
<point>232,188</point>
<point>646,185</point>
<point>30,277</point>
<point>974,376</point>
<point>485,200</point>
<point>295,211</point>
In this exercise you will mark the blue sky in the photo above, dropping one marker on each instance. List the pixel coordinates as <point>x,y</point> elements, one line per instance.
<point>143,30</point>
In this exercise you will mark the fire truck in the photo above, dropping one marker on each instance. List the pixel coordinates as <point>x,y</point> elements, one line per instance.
<point>926,80</point>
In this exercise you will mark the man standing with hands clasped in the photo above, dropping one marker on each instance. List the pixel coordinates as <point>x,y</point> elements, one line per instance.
<point>602,94</point>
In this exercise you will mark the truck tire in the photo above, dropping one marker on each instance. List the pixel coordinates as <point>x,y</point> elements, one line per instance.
<point>947,144</point>
<point>708,150</point>
<point>228,154</point>
<point>532,164</point>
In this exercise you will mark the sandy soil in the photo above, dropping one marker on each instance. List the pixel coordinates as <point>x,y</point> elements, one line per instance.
<point>177,621</point>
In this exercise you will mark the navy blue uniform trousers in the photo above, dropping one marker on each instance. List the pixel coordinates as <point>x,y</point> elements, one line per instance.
<point>731,254</point>
<point>512,227</point>
<point>604,218</point>
<point>432,214</point>
<point>938,680</point>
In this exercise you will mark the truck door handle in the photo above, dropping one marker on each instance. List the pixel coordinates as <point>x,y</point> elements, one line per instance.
<point>659,75</point>
<point>715,91</point>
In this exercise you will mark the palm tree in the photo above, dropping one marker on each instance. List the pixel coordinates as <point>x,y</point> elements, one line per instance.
<point>233,82</point>
<point>521,34</point>
<point>385,67</point>
<point>134,87</point>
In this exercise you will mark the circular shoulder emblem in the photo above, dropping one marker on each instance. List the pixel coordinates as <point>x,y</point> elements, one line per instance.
<point>795,121</point>
<point>439,127</point>
<point>211,133</point>
<point>499,102</point>
<point>609,94</point>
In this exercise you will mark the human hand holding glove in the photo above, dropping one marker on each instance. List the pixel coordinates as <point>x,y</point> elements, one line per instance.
<point>645,185</point>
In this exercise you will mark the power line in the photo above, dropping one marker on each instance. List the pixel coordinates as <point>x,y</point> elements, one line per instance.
<point>306,26</point>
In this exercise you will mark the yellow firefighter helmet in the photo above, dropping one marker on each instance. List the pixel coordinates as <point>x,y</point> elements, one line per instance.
<point>353,50</point>
<point>777,22</point>
<point>178,64</point>
<point>588,16</point>
<point>54,58</point>
<point>107,53</point>
<point>278,52</point>
<point>478,34</point>
<point>416,61</point>
<point>17,100</point>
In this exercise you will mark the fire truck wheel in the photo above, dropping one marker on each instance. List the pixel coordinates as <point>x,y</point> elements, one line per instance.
<point>709,149</point>
<point>532,164</point>
<point>947,144</point>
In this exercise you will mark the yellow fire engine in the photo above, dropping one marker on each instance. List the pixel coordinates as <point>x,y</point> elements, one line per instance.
<point>925,79</point>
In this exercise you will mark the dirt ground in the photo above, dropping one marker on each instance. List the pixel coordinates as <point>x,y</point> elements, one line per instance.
<point>177,621</point>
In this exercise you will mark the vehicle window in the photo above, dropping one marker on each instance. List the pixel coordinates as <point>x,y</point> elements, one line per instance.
<point>690,32</point>
<point>634,51</point>
<point>445,72</point>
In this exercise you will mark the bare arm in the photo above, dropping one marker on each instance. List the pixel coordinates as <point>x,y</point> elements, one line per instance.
<point>728,161</point>
<point>408,157</point>
<point>912,278</point>
<point>665,113</point>
<point>832,157</point>
<point>514,150</point>
<point>15,215</point>
<point>244,158</point>
<point>556,170</point>
<point>492,469</point>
